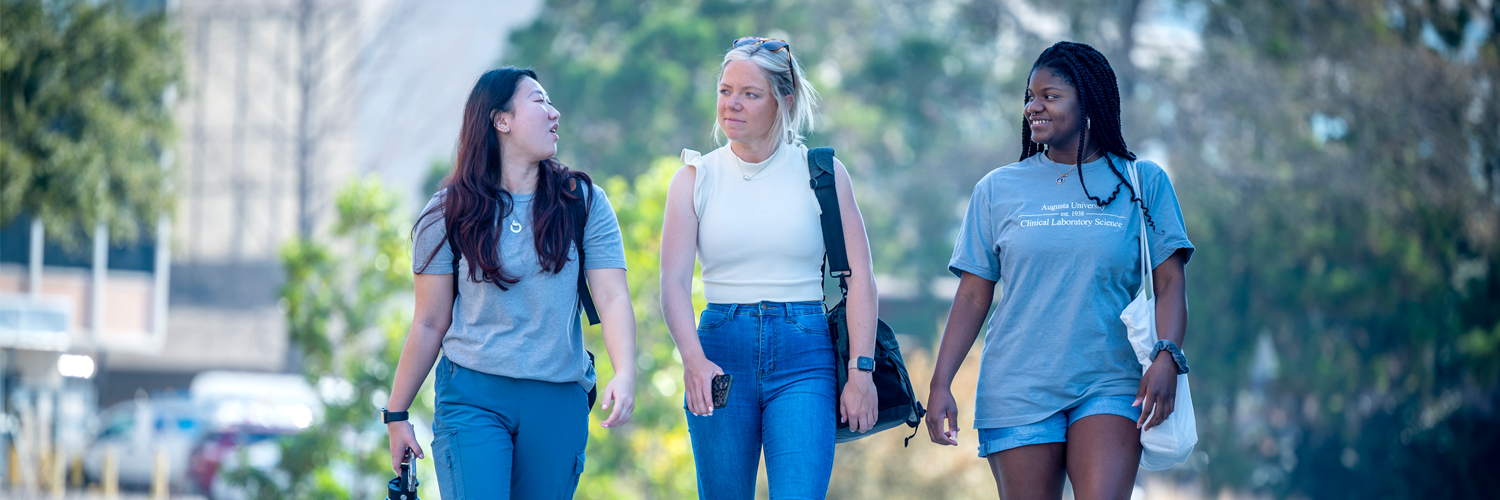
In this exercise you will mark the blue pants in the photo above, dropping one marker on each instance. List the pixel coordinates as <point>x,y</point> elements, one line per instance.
<point>502,437</point>
<point>782,400</point>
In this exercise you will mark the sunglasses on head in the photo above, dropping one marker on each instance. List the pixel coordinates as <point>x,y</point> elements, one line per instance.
<point>770,44</point>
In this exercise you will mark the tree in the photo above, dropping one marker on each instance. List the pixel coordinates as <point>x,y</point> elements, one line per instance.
<point>348,310</point>
<point>85,115</point>
<point>1340,163</point>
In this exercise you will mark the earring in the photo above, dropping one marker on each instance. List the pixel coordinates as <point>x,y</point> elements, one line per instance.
<point>504,130</point>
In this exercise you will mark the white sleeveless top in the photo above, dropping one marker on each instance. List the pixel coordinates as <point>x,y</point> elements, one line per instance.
<point>758,239</point>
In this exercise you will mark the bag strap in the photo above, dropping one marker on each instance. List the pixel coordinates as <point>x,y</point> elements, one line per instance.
<point>820,171</point>
<point>1135,178</point>
<point>579,208</point>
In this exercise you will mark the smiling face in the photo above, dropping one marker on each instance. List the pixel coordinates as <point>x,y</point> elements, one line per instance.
<point>1053,111</point>
<point>746,106</point>
<point>529,128</point>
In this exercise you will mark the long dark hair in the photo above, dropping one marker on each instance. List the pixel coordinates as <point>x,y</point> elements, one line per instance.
<point>474,199</point>
<point>1099,95</point>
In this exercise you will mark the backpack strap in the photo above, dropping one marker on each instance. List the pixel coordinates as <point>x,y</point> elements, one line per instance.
<point>820,171</point>
<point>583,192</point>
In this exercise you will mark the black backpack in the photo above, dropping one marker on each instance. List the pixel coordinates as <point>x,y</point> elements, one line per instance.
<point>898,403</point>
<point>583,191</point>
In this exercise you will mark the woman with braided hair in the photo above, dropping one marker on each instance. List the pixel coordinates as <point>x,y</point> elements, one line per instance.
<point>1060,392</point>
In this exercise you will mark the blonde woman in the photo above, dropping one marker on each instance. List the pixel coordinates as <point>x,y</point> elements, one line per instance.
<point>748,212</point>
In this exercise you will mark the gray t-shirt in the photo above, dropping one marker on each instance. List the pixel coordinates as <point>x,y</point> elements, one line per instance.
<point>1069,268</point>
<point>531,331</point>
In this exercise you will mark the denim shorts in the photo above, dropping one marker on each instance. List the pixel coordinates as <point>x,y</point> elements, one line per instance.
<point>1054,429</point>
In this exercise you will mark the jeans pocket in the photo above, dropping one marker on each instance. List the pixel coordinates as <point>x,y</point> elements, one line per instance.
<point>711,319</point>
<point>449,477</point>
<point>813,324</point>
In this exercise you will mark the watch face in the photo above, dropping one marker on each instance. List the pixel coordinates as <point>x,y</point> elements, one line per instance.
<point>866,364</point>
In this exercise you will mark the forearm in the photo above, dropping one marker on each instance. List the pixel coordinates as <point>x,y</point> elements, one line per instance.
<point>618,329</point>
<point>677,310</point>
<point>862,310</point>
<point>964,321</point>
<point>1171,311</point>
<point>417,357</point>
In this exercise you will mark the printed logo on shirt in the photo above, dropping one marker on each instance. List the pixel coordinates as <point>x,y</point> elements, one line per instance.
<point>1072,214</point>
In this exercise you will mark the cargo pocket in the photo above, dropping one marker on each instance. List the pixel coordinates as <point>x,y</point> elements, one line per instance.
<point>578,470</point>
<point>450,481</point>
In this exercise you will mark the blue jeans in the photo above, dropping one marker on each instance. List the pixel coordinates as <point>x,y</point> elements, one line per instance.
<point>502,437</point>
<point>782,400</point>
<point>1054,429</point>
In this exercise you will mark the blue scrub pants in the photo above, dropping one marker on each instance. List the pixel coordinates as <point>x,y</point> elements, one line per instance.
<point>501,437</point>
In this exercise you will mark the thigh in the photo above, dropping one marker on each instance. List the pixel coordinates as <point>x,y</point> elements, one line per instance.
<point>471,452</point>
<point>1030,472</point>
<point>726,448</point>
<point>800,412</point>
<point>727,444</point>
<point>1104,451</point>
<point>551,439</point>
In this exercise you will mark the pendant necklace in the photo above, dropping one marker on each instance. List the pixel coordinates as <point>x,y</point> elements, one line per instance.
<point>1061,175</point>
<point>740,165</point>
<point>515,226</point>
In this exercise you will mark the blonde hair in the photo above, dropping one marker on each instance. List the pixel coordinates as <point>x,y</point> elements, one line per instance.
<point>779,69</point>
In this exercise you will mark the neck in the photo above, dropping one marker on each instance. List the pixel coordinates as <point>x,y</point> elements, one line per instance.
<point>754,151</point>
<point>518,175</point>
<point>1070,156</point>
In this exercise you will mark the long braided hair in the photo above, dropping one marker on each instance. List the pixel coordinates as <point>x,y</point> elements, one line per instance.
<point>1099,95</point>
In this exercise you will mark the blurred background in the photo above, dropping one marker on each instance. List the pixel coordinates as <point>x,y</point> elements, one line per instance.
<point>206,209</point>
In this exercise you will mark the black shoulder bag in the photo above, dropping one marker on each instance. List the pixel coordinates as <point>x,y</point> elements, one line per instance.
<point>580,210</point>
<point>898,403</point>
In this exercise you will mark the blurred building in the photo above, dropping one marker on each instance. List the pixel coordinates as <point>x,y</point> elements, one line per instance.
<point>265,121</point>
<point>282,101</point>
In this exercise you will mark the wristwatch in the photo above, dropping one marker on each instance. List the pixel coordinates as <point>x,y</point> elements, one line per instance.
<point>863,363</point>
<point>392,416</point>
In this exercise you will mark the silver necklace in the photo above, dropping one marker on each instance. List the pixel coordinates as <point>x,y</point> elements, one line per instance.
<point>515,226</point>
<point>1061,175</point>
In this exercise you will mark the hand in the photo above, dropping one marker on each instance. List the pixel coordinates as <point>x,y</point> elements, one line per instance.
<point>402,438</point>
<point>621,394</point>
<point>859,405</point>
<point>697,376</point>
<point>1157,396</point>
<point>940,407</point>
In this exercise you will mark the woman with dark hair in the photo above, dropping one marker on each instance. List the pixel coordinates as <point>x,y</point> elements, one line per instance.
<point>1060,389</point>
<point>749,213</point>
<point>497,264</point>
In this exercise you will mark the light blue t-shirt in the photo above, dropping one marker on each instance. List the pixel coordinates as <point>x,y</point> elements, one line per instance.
<point>1066,269</point>
<point>533,330</point>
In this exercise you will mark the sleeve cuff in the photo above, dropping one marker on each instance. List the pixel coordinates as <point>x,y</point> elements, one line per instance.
<point>958,268</point>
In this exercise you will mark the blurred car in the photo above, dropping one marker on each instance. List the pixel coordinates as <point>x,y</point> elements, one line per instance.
<point>222,413</point>
<point>136,430</point>
<point>245,413</point>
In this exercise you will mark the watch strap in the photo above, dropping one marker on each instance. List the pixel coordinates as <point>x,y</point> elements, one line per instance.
<point>392,416</point>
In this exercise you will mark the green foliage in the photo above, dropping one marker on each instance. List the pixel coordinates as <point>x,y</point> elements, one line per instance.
<point>348,311</point>
<point>1363,263</point>
<point>1346,306</point>
<point>651,457</point>
<point>85,115</point>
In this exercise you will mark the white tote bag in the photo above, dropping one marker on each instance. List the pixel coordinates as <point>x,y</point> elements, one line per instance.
<point>1171,442</point>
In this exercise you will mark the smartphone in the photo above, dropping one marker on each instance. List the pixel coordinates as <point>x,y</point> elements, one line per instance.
<point>720,388</point>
